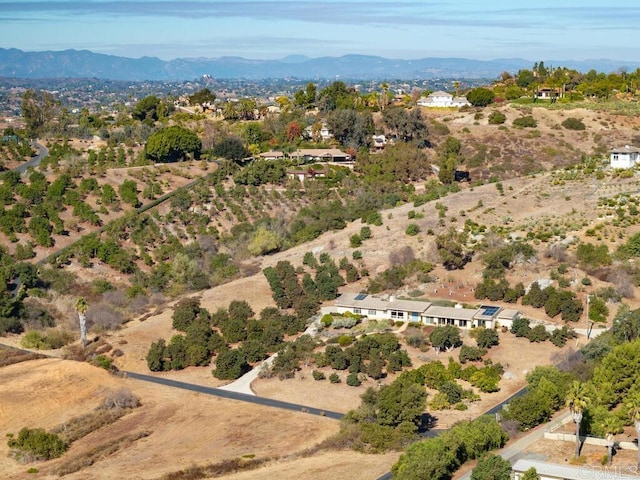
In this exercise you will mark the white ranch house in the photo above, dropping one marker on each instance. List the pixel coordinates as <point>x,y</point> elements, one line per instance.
<point>442,99</point>
<point>377,308</point>
<point>625,157</point>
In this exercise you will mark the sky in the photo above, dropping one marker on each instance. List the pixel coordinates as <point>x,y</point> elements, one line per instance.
<point>271,29</point>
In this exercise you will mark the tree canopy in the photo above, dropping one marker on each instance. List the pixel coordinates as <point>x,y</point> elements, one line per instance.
<point>172,144</point>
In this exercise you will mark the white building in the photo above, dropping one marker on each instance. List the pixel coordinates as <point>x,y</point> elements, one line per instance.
<point>554,471</point>
<point>442,99</point>
<point>377,308</point>
<point>625,157</point>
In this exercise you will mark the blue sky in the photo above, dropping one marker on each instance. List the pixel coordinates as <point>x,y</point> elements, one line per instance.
<point>478,29</point>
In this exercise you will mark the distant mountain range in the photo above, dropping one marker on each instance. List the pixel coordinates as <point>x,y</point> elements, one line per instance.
<point>86,64</point>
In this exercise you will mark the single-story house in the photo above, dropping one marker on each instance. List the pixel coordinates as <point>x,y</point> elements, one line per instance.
<point>555,471</point>
<point>320,155</point>
<point>272,155</point>
<point>442,99</point>
<point>378,308</point>
<point>625,157</point>
<point>304,174</point>
<point>548,93</point>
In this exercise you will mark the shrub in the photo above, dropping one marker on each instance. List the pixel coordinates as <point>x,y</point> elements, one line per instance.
<point>345,340</point>
<point>365,232</point>
<point>38,444</point>
<point>102,361</point>
<point>525,122</point>
<point>471,354</point>
<point>487,338</point>
<point>318,375</point>
<point>327,320</point>
<point>497,118</point>
<point>357,255</point>
<point>573,123</point>
<point>412,229</point>
<point>353,380</point>
<point>334,378</point>
<point>355,240</point>
<point>121,398</point>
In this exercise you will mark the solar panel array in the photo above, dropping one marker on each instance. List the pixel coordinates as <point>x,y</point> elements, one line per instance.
<point>361,296</point>
<point>488,310</point>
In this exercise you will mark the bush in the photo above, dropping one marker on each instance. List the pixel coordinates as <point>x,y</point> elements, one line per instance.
<point>355,240</point>
<point>497,118</point>
<point>471,354</point>
<point>38,444</point>
<point>353,380</point>
<point>412,229</point>
<point>573,123</point>
<point>487,338</point>
<point>334,378</point>
<point>525,122</point>
<point>121,398</point>
<point>357,255</point>
<point>318,375</point>
<point>326,320</point>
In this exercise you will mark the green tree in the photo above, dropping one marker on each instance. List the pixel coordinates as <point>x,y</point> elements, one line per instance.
<point>577,401</point>
<point>231,148</point>
<point>39,108</point>
<point>611,426</point>
<point>128,191</point>
<point>451,247</point>
<point>264,241</point>
<point>172,144</point>
<point>487,338</point>
<point>231,364</point>
<point>445,337</point>
<point>480,97</point>
<point>81,308</point>
<point>492,467</point>
<point>632,404</point>
<point>147,109</point>
<point>156,356</point>
<point>202,96</point>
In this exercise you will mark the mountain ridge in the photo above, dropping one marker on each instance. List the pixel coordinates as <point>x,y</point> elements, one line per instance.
<point>84,63</point>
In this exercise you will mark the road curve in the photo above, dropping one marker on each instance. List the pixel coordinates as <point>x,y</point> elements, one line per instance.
<point>35,161</point>
<point>243,397</point>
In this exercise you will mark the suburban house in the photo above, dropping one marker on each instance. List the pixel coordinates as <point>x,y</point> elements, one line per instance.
<point>378,308</point>
<point>324,133</point>
<point>379,141</point>
<point>442,99</point>
<point>625,157</point>
<point>303,174</point>
<point>272,155</point>
<point>320,155</point>
<point>554,471</point>
<point>549,93</point>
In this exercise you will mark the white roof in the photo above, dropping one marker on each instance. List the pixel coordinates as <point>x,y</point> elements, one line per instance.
<point>626,149</point>
<point>451,312</point>
<point>370,302</point>
<point>566,472</point>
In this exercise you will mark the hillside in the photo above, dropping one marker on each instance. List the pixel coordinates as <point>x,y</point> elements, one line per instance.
<point>546,185</point>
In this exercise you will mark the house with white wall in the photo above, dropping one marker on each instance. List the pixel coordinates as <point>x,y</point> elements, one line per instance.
<point>391,308</point>
<point>625,157</point>
<point>442,99</point>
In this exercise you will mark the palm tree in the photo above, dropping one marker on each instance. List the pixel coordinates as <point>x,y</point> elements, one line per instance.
<point>577,401</point>
<point>611,425</point>
<point>81,307</point>
<point>633,406</point>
